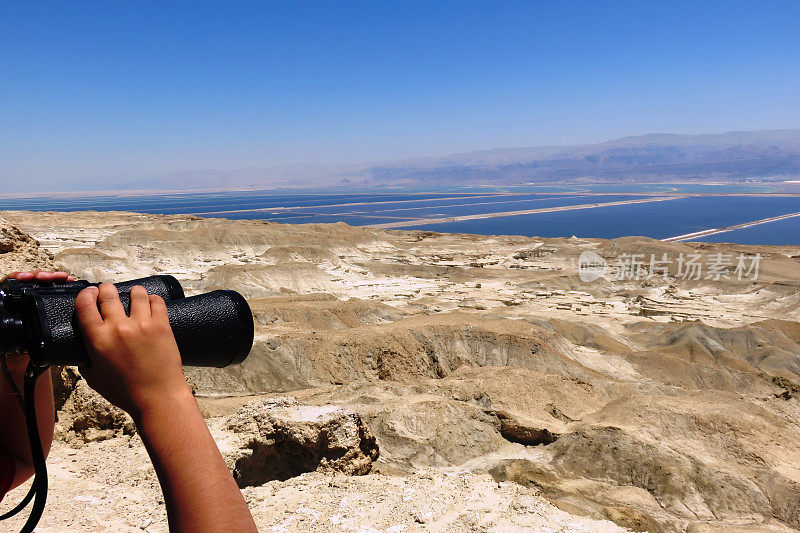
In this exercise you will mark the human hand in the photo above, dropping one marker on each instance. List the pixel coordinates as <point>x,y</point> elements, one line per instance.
<point>39,276</point>
<point>135,360</point>
<point>137,367</point>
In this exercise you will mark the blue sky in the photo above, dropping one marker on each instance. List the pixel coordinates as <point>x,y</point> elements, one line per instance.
<point>108,92</point>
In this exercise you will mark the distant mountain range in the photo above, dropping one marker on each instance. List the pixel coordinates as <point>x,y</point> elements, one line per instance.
<point>735,156</point>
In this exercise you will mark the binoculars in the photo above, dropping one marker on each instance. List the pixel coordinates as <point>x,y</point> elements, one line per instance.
<point>214,329</point>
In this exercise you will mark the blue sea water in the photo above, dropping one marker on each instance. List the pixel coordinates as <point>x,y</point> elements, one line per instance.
<point>397,211</point>
<point>486,205</point>
<point>658,220</point>
<point>335,205</point>
<point>785,231</point>
<point>375,206</point>
<point>203,202</point>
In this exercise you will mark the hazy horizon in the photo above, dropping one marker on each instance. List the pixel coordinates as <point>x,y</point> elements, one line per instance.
<point>117,94</point>
<point>760,148</point>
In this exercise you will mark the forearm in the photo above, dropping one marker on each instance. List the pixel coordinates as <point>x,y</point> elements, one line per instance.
<point>14,434</point>
<point>199,490</point>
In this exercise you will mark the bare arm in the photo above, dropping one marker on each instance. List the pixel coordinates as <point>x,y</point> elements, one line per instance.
<point>199,490</point>
<point>136,366</point>
<point>14,434</point>
<point>13,429</point>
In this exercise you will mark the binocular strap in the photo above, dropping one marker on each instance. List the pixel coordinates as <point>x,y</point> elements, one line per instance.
<point>38,490</point>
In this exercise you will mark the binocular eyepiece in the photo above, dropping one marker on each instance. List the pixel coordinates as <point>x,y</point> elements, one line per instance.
<point>213,329</point>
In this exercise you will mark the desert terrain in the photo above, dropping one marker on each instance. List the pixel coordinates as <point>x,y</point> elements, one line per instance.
<point>408,381</point>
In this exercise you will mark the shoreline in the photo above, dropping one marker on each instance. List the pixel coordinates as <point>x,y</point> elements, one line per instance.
<point>417,222</point>
<point>478,196</point>
<point>278,189</point>
<point>715,231</point>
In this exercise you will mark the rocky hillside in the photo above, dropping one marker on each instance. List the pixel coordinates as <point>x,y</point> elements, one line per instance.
<point>414,381</point>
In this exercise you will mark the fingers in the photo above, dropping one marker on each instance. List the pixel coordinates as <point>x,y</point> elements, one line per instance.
<point>110,305</point>
<point>62,276</point>
<point>21,276</point>
<point>39,276</point>
<point>49,277</point>
<point>140,303</point>
<point>86,309</point>
<point>158,308</point>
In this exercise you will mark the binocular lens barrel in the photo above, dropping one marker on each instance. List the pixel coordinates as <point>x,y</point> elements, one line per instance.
<point>167,287</point>
<point>213,329</point>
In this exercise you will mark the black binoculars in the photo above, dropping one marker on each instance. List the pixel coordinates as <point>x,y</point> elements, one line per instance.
<point>213,329</point>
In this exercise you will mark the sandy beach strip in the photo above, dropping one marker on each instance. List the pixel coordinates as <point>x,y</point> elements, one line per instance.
<point>479,216</point>
<point>714,231</point>
<point>467,196</point>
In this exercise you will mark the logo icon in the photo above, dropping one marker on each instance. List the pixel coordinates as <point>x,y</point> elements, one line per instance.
<point>591,266</point>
